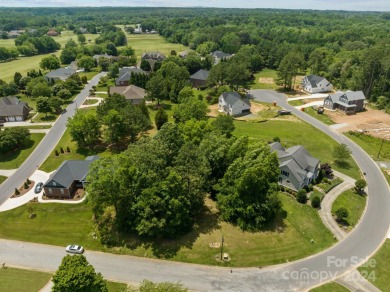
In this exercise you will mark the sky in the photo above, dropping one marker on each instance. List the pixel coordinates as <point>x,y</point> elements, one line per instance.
<point>354,5</point>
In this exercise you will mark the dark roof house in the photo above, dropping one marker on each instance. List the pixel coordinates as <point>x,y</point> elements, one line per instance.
<point>232,103</point>
<point>132,93</point>
<point>297,167</point>
<point>153,55</point>
<point>350,102</point>
<point>219,55</point>
<point>199,79</point>
<point>12,109</point>
<point>69,176</point>
<point>60,74</point>
<point>124,75</point>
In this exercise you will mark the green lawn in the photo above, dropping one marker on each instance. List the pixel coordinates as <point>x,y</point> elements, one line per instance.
<point>371,145</point>
<point>330,287</point>
<point>168,106</point>
<point>354,203</point>
<point>264,83</point>
<point>116,287</point>
<point>15,159</point>
<point>275,244</point>
<point>317,193</point>
<point>296,132</point>
<point>43,118</point>
<point>2,178</point>
<point>90,101</point>
<point>321,117</point>
<point>376,270</point>
<point>142,43</point>
<point>12,279</point>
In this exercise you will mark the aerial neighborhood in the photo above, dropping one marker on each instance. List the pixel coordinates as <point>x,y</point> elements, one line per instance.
<point>197,141</point>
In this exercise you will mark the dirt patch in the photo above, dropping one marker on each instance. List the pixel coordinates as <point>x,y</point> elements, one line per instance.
<point>266,80</point>
<point>373,122</point>
<point>255,108</point>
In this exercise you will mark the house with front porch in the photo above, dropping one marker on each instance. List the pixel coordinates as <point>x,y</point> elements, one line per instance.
<point>349,102</point>
<point>316,84</point>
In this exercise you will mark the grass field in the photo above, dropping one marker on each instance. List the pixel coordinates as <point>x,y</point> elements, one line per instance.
<point>276,244</point>
<point>296,133</point>
<point>354,203</point>
<point>12,279</point>
<point>330,287</point>
<point>2,178</point>
<point>265,83</point>
<point>321,117</point>
<point>377,268</point>
<point>372,145</point>
<point>15,159</point>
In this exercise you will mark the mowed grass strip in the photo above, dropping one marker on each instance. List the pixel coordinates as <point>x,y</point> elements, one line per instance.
<point>354,203</point>
<point>285,240</point>
<point>12,279</point>
<point>15,159</point>
<point>378,149</point>
<point>296,132</point>
<point>330,287</point>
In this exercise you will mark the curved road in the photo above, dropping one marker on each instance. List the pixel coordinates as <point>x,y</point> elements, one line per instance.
<point>294,276</point>
<point>46,146</point>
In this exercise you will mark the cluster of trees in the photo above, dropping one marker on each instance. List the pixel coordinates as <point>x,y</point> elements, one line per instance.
<point>30,45</point>
<point>113,34</point>
<point>139,79</point>
<point>14,138</point>
<point>8,54</point>
<point>116,122</point>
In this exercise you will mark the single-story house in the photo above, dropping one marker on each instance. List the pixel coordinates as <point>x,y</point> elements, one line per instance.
<point>60,74</point>
<point>297,167</point>
<point>199,79</point>
<point>124,75</point>
<point>219,55</point>
<point>71,175</point>
<point>132,93</point>
<point>13,110</point>
<point>52,32</point>
<point>316,84</point>
<point>350,102</point>
<point>232,103</point>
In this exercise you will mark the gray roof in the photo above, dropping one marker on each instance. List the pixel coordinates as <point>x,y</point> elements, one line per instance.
<point>220,54</point>
<point>11,106</point>
<point>130,92</point>
<point>70,171</point>
<point>201,75</point>
<point>61,73</point>
<point>344,97</point>
<point>103,56</point>
<point>125,73</point>
<point>153,55</point>
<point>232,98</point>
<point>314,79</point>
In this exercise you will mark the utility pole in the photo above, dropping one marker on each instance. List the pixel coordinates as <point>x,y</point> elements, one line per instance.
<point>222,249</point>
<point>383,141</point>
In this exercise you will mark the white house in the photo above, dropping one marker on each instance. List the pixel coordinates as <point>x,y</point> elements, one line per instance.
<point>316,84</point>
<point>233,104</point>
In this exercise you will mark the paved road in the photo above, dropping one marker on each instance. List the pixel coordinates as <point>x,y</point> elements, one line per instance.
<point>47,144</point>
<point>295,276</point>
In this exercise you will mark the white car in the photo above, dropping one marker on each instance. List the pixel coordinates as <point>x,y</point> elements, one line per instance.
<point>75,249</point>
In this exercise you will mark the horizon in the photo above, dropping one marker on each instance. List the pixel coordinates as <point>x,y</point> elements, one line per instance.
<point>332,5</point>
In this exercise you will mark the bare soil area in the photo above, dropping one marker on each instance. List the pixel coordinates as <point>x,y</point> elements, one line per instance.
<point>255,108</point>
<point>266,80</point>
<point>374,122</point>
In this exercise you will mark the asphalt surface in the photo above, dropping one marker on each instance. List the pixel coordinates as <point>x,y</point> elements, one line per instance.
<point>294,276</point>
<point>39,155</point>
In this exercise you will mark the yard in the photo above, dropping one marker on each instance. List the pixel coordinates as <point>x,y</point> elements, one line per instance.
<point>330,287</point>
<point>12,279</point>
<point>378,149</point>
<point>265,79</point>
<point>354,203</point>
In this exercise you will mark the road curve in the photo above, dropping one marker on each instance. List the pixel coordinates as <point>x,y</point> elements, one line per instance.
<point>48,143</point>
<point>295,276</point>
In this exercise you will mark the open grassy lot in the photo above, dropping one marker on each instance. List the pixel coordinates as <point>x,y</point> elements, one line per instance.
<point>376,270</point>
<point>116,287</point>
<point>142,43</point>
<point>276,244</point>
<point>15,159</point>
<point>265,79</point>
<point>330,287</point>
<point>371,145</point>
<point>354,203</point>
<point>321,117</point>
<point>295,133</point>
<point>12,279</point>
<point>2,178</point>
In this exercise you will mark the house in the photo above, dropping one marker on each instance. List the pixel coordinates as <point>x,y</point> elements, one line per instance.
<point>185,53</point>
<point>12,109</point>
<point>109,57</point>
<point>13,34</point>
<point>73,65</point>
<point>70,176</point>
<point>83,30</point>
<point>316,84</point>
<point>124,75</point>
<point>218,56</point>
<point>350,102</point>
<point>297,167</point>
<point>59,74</point>
<point>138,29</point>
<point>153,55</point>
<point>199,79</point>
<point>233,104</point>
<point>132,93</point>
<point>52,32</point>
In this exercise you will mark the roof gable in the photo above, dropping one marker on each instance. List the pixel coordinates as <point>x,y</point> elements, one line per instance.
<point>231,98</point>
<point>201,75</point>
<point>129,92</point>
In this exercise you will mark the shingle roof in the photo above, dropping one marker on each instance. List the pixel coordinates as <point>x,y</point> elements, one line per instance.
<point>70,171</point>
<point>231,98</point>
<point>314,79</point>
<point>153,55</point>
<point>349,95</point>
<point>125,73</point>
<point>129,92</point>
<point>61,73</point>
<point>220,54</point>
<point>11,106</point>
<point>200,75</point>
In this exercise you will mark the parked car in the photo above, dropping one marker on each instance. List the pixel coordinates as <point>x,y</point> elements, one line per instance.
<point>74,249</point>
<point>38,187</point>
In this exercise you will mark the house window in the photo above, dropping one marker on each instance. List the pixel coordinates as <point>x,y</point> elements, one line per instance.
<point>62,191</point>
<point>50,191</point>
<point>54,183</point>
<point>285,173</point>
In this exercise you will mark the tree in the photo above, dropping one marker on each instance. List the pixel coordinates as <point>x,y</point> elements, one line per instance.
<point>84,128</point>
<point>13,138</point>
<point>81,38</point>
<point>50,63</point>
<point>360,184</point>
<point>76,274</point>
<point>191,108</point>
<point>161,118</point>
<point>17,77</point>
<point>248,190</point>
<point>301,196</point>
<point>155,88</point>
<point>56,104</point>
<point>115,126</point>
<point>289,68</point>
<point>86,62</point>
<point>316,202</point>
<point>43,105</point>
<point>145,65</point>
<point>224,125</point>
<point>64,94</point>
<point>38,87</point>
<point>341,152</point>
<point>68,55</point>
<point>341,214</point>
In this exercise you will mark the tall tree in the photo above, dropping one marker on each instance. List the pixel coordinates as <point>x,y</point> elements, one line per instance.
<point>84,128</point>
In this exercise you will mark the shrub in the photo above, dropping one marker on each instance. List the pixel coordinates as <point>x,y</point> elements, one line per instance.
<point>17,191</point>
<point>341,213</point>
<point>325,180</point>
<point>301,196</point>
<point>56,152</point>
<point>67,149</point>
<point>28,181</point>
<point>276,139</point>
<point>316,202</point>
<point>84,79</point>
<point>62,150</point>
<point>25,185</point>
<point>310,187</point>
